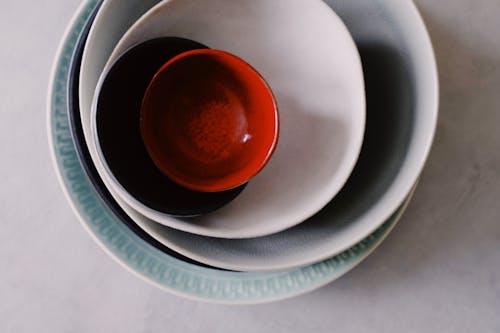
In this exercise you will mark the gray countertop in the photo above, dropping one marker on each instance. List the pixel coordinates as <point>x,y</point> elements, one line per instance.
<point>439,270</point>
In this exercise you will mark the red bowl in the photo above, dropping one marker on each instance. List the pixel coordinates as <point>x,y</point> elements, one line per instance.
<point>209,121</point>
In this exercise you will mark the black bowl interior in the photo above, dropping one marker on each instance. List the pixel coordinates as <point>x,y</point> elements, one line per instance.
<point>84,155</point>
<point>118,130</point>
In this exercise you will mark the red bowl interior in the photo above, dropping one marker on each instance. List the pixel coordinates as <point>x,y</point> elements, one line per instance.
<point>209,120</point>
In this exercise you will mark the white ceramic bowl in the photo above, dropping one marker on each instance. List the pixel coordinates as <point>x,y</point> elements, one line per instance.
<point>390,35</point>
<point>308,57</point>
<point>402,105</point>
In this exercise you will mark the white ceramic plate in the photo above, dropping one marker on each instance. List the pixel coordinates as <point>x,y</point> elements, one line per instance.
<point>308,57</point>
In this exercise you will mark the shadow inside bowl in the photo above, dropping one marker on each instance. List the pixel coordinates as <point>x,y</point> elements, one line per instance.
<point>390,99</point>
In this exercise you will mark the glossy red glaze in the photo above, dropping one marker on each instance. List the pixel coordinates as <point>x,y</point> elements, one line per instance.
<point>209,120</point>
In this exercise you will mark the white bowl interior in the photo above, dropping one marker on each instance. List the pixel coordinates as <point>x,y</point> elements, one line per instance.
<point>319,89</point>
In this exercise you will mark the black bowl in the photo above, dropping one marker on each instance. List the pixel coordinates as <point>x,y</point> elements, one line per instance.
<point>119,137</point>
<point>84,155</point>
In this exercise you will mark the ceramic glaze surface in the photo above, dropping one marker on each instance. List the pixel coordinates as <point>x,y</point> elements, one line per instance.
<point>209,121</point>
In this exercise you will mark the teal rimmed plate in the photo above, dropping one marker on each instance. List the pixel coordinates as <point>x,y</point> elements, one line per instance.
<point>149,263</point>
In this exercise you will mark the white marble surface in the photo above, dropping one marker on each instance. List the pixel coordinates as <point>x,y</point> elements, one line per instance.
<point>439,271</point>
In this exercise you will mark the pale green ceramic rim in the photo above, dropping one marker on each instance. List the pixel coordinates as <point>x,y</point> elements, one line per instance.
<point>162,270</point>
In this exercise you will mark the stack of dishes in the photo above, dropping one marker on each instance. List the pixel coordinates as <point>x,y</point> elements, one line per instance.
<point>242,151</point>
